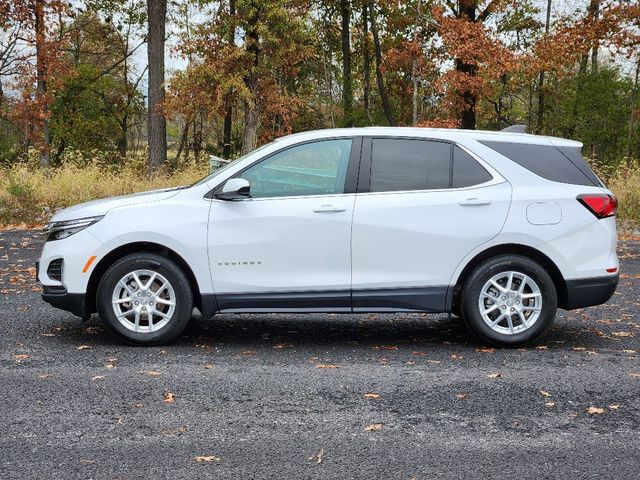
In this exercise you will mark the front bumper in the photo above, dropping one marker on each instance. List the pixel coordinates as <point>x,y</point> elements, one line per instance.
<point>58,297</point>
<point>587,292</point>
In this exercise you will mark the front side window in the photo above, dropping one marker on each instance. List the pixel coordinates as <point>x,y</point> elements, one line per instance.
<point>402,164</point>
<point>318,168</point>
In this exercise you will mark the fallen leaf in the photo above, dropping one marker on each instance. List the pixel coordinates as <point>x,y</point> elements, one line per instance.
<point>45,375</point>
<point>542,347</point>
<point>550,404</point>
<point>622,334</point>
<point>169,397</point>
<point>21,356</point>
<point>175,431</point>
<point>327,366</point>
<point>371,395</point>
<point>630,351</point>
<point>318,457</point>
<point>545,393</point>
<point>84,347</point>
<point>208,366</point>
<point>151,373</point>
<point>495,375</point>
<point>249,352</point>
<point>389,347</point>
<point>280,346</point>
<point>374,427</point>
<point>595,410</point>
<point>434,362</point>
<point>634,374</point>
<point>138,405</point>
<point>207,459</point>
<point>98,377</point>
<point>419,354</point>
<point>456,357</point>
<point>614,406</point>
<point>485,350</point>
<point>462,396</point>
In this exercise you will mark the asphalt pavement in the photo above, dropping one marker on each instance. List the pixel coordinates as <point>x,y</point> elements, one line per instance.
<point>315,396</point>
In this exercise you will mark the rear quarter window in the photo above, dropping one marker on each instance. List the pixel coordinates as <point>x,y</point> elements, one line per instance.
<point>547,161</point>
<point>467,171</point>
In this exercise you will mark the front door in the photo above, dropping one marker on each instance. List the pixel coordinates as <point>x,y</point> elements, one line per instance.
<point>289,245</point>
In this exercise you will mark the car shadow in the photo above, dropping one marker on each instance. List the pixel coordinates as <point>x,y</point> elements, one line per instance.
<point>247,331</point>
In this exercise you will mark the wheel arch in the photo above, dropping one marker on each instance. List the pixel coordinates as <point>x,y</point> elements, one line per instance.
<point>138,247</point>
<point>514,249</point>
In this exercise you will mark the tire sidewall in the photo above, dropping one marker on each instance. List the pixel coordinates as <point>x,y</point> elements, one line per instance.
<point>156,263</point>
<point>475,283</point>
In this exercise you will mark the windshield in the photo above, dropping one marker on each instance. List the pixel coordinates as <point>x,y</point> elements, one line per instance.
<point>230,164</point>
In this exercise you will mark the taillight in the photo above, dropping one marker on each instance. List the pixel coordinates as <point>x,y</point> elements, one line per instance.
<point>601,205</point>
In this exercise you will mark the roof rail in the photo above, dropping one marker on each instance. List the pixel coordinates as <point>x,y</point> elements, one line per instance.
<point>515,129</point>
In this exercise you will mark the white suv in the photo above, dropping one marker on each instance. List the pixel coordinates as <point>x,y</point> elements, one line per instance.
<point>499,228</point>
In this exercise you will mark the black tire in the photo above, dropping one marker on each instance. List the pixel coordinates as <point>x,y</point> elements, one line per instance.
<point>472,288</point>
<point>155,263</point>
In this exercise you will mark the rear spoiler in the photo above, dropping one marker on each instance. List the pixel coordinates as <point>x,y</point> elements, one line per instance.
<point>515,129</point>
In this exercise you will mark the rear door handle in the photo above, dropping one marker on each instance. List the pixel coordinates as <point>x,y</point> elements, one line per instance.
<point>470,202</point>
<point>328,208</point>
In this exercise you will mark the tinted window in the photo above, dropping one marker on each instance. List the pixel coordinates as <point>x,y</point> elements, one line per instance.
<point>318,168</point>
<point>399,165</point>
<point>575,155</point>
<point>467,171</point>
<point>544,160</point>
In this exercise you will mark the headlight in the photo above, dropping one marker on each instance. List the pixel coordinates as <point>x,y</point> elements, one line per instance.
<point>60,230</point>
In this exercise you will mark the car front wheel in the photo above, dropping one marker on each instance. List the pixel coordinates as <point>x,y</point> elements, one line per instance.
<point>508,300</point>
<point>145,299</point>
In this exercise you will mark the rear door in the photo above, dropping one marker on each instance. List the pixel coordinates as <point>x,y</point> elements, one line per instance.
<point>422,205</point>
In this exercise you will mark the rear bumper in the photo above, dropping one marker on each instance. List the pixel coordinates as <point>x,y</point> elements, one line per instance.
<point>586,292</point>
<point>71,302</point>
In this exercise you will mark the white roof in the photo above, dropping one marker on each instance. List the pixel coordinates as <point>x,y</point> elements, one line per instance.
<point>437,133</point>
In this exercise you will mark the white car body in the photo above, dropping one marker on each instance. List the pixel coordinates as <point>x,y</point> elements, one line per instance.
<point>354,251</point>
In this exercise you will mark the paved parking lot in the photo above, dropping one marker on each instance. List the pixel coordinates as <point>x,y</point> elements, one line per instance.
<point>315,396</point>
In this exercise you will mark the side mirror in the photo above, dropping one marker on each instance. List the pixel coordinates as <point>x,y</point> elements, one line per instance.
<point>234,189</point>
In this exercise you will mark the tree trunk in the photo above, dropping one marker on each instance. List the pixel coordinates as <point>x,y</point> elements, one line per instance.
<point>251,114</point>
<point>378,52</point>
<point>366,61</point>
<point>41,82</point>
<point>184,138</point>
<point>541,106</point>
<point>467,98</point>
<point>594,12</point>
<point>228,113</point>
<point>347,82</point>
<point>414,69</point>
<point>634,99</point>
<point>156,123</point>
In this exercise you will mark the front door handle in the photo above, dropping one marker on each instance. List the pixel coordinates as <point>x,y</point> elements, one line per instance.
<point>470,202</point>
<point>329,208</point>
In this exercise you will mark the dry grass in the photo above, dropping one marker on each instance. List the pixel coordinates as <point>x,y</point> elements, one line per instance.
<point>625,183</point>
<point>28,195</point>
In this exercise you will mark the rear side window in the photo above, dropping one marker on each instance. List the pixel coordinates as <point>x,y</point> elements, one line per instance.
<point>546,161</point>
<point>401,164</point>
<point>466,170</point>
<point>575,155</point>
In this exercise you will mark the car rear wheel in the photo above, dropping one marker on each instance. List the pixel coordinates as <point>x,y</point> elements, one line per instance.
<point>508,300</point>
<point>145,299</point>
